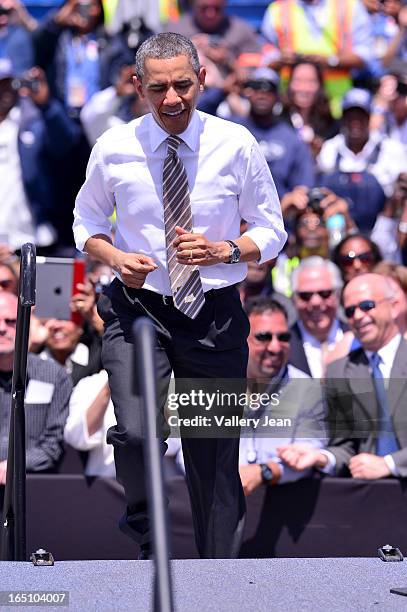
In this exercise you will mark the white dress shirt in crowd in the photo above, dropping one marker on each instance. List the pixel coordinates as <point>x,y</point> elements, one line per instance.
<point>314,350</point>
<point>228,180</point>
<point>387,354</point>
<point>392,159</point>
<point>99,113</point>
<point>100,459</point>
<point>15,220</point>
<point>257,448</point>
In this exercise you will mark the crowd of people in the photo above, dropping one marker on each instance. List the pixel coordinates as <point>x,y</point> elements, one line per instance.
<point>322,87</point>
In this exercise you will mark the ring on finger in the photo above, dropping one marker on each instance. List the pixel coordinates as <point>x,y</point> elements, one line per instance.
<point>191,255</point>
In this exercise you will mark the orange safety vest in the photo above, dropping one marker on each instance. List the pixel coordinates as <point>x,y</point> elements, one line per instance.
<point>291,26</point>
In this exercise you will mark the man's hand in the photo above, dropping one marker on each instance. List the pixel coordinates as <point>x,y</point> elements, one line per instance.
<point>69,17</point>
<point>84,300</point>
<point>196,250</point>
<point>39,93</point>
<point>301,456</point>
<point>251,478</point>
<point>133,268</point>
<point>3,472</point>
<point>368,467</point>
<point>295,201</point>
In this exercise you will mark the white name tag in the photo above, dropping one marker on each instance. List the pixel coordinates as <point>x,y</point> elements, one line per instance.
<point>39,392</point>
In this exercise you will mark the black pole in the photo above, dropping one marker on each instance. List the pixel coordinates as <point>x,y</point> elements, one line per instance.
<point>14,510</point>
<point>144,356</point>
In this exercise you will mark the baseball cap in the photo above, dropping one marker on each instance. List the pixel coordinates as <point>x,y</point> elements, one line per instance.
<point>357,98</point>
<point>265,74</point>
<point>6,69</point>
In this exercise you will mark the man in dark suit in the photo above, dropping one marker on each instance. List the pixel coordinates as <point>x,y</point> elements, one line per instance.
<point>316,286</point>
<point>366,391</point>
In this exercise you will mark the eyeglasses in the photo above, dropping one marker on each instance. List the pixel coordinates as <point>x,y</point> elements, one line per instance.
<point>268,336</point>
<point>324,294</point>
<point>6,284</point>
<point>364,306</point>
<point>366,257</point>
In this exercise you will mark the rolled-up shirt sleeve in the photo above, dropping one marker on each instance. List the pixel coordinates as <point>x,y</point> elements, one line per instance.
<point>94,203</point>
<point>259,206</point>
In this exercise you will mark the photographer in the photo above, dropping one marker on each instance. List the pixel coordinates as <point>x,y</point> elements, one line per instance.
<point>35,134</point>
<point>315,216</point>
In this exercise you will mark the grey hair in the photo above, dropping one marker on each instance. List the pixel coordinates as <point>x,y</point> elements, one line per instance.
<point>165,46</point>
<point>318,262</point>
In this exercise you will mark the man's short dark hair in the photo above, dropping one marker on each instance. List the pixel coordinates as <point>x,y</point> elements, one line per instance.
<point>165,46</point>
<point>260,305</point>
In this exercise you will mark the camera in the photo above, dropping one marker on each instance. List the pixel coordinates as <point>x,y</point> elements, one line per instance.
<point>33,83</point>
<point>315,197</point>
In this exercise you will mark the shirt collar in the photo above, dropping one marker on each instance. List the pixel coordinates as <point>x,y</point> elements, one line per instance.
<point>190,136</point>
<point>388,351</point>
<point>331,338</point>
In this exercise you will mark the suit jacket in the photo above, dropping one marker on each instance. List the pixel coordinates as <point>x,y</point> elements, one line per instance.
<point>352,408</point>
<point>297,354</point>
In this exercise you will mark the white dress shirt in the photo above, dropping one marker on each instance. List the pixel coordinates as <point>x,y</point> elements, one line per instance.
<point>16,221</point>
<point>313,349</point>
<point>100,459</point>
<point>392,159</point>
<point>228,180</point>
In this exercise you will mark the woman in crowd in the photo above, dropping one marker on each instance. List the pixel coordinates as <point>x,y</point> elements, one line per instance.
<point>306,105</point>
<point>356,254</point>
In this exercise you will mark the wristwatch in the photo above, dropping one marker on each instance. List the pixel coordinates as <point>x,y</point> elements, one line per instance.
<point>235,253</point>
<point>266,474</point>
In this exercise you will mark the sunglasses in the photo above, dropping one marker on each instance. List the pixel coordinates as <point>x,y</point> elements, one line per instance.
<point>364,306</point>
<point>305,296</point>
<point>268,336</point>
<point>6,284</point>
<point>366,258</point>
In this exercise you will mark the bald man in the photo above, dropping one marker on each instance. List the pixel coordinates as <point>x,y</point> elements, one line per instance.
<point>366,391</point>
<point>46,400</point>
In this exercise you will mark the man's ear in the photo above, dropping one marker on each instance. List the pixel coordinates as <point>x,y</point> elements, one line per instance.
<point>138,86</point>
<point>201,78</point>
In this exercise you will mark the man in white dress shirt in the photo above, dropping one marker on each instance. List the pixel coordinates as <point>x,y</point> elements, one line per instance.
<point>366,391</point>
<point>201,334</point>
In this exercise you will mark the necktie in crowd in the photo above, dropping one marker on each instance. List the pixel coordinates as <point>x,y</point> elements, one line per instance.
<point>386,441</point>
<point>186,286</point>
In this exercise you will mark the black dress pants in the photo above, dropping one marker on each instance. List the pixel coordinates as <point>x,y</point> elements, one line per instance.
<point>213,346</point>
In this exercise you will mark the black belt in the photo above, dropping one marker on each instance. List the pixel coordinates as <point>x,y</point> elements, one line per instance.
<point>168,300</point>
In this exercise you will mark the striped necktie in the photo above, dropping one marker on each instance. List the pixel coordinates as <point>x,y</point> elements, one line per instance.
<point>185,281</point>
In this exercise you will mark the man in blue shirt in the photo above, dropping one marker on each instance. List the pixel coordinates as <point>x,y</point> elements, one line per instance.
<point>289,159</point>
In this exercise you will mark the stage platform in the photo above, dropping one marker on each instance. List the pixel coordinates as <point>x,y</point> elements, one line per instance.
<point>281,585</point>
